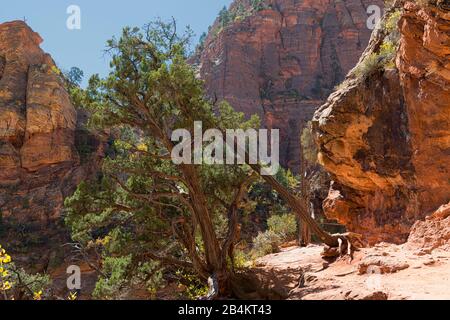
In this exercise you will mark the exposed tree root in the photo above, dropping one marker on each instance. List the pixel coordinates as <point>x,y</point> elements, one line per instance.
<point>244,285</point>
<point>348,243</point>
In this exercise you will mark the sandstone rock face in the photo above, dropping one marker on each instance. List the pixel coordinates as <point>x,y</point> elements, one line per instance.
<point>433,233</point>
<point>385,138</point>
<point>282,62</point>
<point>39,162</point>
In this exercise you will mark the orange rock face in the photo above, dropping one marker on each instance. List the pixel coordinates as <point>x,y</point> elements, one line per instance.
<point>282,62</point>
<point>386,139</point>
<point>39,162</point>
<point>433,233</point>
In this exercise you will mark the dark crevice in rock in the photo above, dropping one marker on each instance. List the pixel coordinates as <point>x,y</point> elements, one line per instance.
<point>2,66</point>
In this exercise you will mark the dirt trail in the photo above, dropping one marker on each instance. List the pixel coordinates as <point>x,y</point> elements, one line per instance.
<point>382,272</point>
<point>418,269</point>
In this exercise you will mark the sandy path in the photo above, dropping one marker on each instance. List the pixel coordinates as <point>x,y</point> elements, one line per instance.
<point>425,276</point>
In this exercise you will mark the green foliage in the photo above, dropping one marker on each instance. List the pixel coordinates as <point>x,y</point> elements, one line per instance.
<point>55,70</point>
<point>240,13</point>
<point>141,208</point>
<point>383,59</point>
<point>109,286</point>
<point>387,53</point>
<point>391,23</point>
<point>287,179</point>
<point>265,243</point>
<point>258,5</point>
<point>74,76</point>
<point>203,38</point>
<point>263,202</point>
<point>16,283</point>
<point>151,274</point>
<point>73,79</point>
<point>225,17</point>
<point>284,226</point>
<point>26,203</point>
<point>242,260</point>
<point>281,223</point>
<point>194,287</point>
<point>369,65</point>
<point>267,201</point>
<point>201,42</point>
<point>28,283</point>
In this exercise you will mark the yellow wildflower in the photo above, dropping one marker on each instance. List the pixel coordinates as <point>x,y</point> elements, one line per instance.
<point>72,296</point>
<point>37,295</point>
<point>5,286</point>
<point>103,242</point>
<point>142,147</point>
<point>5,258</point>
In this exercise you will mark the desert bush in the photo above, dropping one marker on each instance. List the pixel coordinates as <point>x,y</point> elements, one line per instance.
<point>367,66</point>
<point>258,5</point>
<point>151,274</point>
<point>391,23</point>
<point>284,226</point>
<point>242,259</point>
<point>110,285</point>
<point>194,288</point>
<point>383,59</point>
<point>265,243</point>
<point>15,283</point>
<point>385,56</point>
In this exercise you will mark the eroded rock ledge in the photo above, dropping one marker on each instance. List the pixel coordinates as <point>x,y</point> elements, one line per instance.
<point>385,138</point>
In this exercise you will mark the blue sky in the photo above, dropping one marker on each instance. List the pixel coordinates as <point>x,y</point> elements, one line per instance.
<point>100,20</point>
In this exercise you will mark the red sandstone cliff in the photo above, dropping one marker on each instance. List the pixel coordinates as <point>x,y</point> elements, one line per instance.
<point>384,136</point>
<point>283,61</point>
<point>39,161</point>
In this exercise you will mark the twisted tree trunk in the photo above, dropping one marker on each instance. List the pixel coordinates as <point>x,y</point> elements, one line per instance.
<point>298,206</point>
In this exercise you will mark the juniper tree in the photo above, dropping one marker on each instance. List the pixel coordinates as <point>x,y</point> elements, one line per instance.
<point>180,215</point>
<point>143,207</point>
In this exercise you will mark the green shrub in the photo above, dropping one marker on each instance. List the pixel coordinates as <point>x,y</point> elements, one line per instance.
<point>259,5</point>
<point>387,54</point>
<point>151,274</point>
<point>265,243</point>
<point>241,259</point>
<point>368,66</point>
<point>391,23</point>
<point>284,226</point>
<point>384,59</point>
<point>109,286</point>
<point>15,282</point>
<point>195,288</point>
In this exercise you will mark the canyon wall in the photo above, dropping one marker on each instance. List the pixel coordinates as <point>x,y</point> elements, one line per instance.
<point>282,60</point>
<point>384,135</point>
<point>39,132</point>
